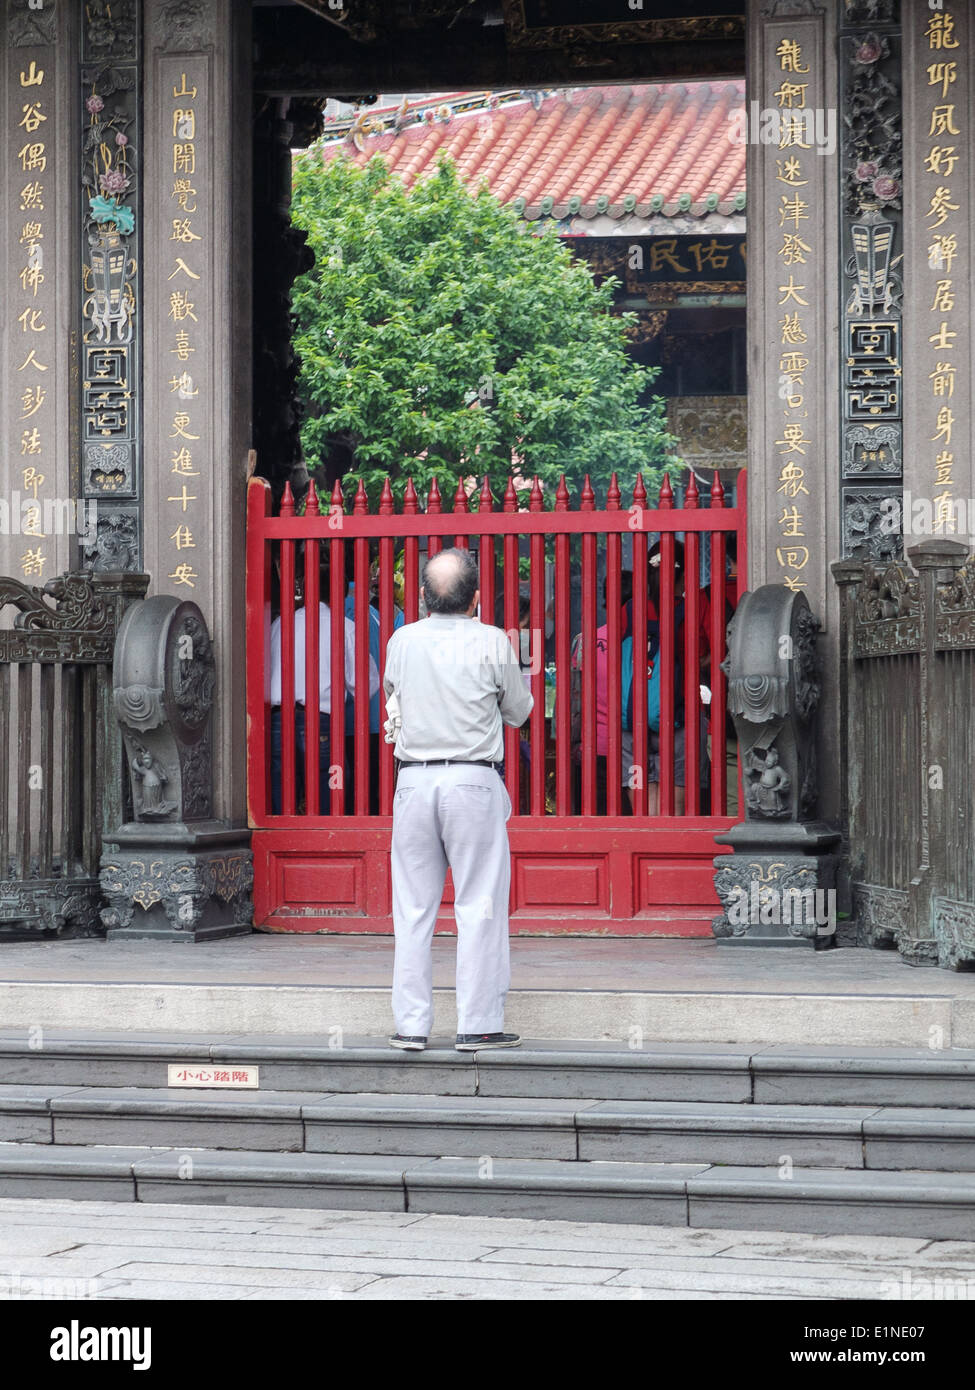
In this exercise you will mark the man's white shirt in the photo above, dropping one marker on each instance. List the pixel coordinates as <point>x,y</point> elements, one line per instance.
<point>324,659</point>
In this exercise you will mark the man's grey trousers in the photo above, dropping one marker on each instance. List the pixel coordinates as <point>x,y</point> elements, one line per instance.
<point>454,815</point>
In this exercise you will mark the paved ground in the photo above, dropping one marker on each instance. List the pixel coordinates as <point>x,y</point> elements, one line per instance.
<point>106,1250</point>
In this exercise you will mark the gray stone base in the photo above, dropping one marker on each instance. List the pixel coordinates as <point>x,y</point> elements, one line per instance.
<point>177,883</point>
<point>778,886</point>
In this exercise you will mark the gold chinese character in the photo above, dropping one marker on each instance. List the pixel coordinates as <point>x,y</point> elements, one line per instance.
<point>794,557</point>
<point>793,249</point>
<point>790,480</point>
<point>182,230</point>
<point>940,206</point>
<point>31,232</point>
<point>34,76</point>
<point>944,74</point>
<point>941,160</point>
<point>789,55</point>
<point>790,291</point>
<point>713,253</point>
<point>791,129</point>
<point>32,400</point>
<point>183,91</point>
<point>32,118</point>
<point>33,562</point>
<point>32,480</point>
<point>789,171</point>
<point>184,158</point>
<point>944,423</point>
<point>182,497</point>
<point>943,377</point>
<point>793,439</point>
<point>792,95</point>
<point>180,422</point>
<point>183,537</point>
<point>942,251</point>
<point>939,30</point>
<point>182,192</point>
<point>184,124</point>
<point>792,330</point>
<point>662,252</point>
<point>943,464</point>
<point>184,574</point>
<point>32,157</point>
<point>944,298</point>
<point>181,306</point>
<point>30,320</point>
<point>30,441</point>
<point>945,518</point>
<point>792,520</point>
<point>32,522</point>
<point>184,385</point>
<point>32,277</point>
<point>31,360</point>
<point>183,348</point>
<point>793,582</point>
<point>182,266</point>
<point>943,121</point>
<point>181,464</point>
<point>794,208</point>
<point>941,338</point>
<point>30,197</point>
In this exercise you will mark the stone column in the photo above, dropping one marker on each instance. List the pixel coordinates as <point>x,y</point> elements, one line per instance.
<point>939,466</point>
<point>197,338</point>
<point>38,519</point>
<point>793,493</point>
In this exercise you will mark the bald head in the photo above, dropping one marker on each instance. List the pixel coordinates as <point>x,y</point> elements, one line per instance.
<point>450,581</point>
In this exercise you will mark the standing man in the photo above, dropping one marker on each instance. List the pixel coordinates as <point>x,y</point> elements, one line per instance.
<point>455,682</point>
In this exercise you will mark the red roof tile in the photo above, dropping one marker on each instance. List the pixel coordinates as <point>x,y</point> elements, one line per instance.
<point>650,142</point>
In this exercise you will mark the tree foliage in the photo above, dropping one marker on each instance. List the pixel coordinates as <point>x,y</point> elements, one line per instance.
<point>439,338</point>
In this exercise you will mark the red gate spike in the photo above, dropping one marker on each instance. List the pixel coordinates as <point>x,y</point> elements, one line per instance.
<point>485,501</point>
<point>717,492</point>
<point>411,503</point>
<point>536,502</point>
<point>562,495</point>
<point>460,497</point>
<point>588,503</point>
<point>311,501</point>
<point>338,497</point>
<point>433,501</point>
<point>639,493</point>
<point>614,496</point>
<point>386,499</point>
<point>692,498</point>
<point>361,505</point>
<point>666,502</point>
<point>510,497</point>
<point>287,501</point>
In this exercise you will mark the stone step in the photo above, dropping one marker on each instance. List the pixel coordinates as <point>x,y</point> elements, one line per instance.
<point>699,1072</point>
<point>503,1127</point>
<point>932,1206</point>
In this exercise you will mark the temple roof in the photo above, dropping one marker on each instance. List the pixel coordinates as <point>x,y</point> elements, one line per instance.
<point>619,152</point>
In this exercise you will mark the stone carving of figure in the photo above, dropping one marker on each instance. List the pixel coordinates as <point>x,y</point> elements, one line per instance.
<point>151,776</point>
<point>767,794</point>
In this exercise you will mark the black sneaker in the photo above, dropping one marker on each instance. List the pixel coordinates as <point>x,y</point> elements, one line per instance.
<point>473,1042</point>
<point>407,1044</point>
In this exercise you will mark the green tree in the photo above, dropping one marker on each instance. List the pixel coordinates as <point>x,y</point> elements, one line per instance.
<point>439,338</point>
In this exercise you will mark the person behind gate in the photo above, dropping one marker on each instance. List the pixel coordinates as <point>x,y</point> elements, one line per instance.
<point>451,682</point>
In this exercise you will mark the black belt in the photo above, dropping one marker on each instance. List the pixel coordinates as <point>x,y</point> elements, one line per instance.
<point>447,762</point>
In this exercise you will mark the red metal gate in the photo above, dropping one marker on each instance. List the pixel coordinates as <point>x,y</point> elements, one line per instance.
<point>597,847</point>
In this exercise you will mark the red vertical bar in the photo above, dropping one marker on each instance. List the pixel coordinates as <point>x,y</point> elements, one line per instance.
<point>614,656</point>
<point>589,603</point>
<point>741,506</point>
<point>336,661</point>
<point>434,543</point>
<point>312,678</point>
<point>640,758</point>
<point>288,790</point>
<point>363,631</point>
<point>461,505</point>
<point>536,649</point>
<point>258,650</point>
<point>411,572</point>
<point>716,639</point>
<point>385,632</point>
<point>512,743</point>
<point>692,658</point>
<point>563,673</point>
<point>486,558</point>
<point>665,654</point>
